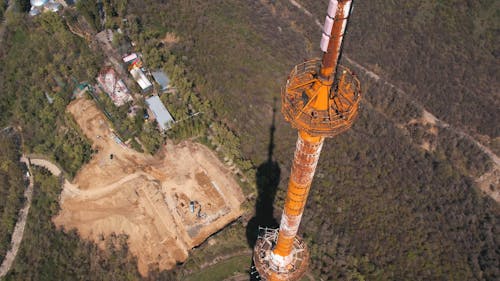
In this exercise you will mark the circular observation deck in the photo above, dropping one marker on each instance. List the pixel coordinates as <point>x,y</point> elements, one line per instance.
<point>304,88</point>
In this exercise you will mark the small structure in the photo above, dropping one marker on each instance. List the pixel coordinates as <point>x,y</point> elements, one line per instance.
<point>141,79</point>
<point>162,79</point>
<point>39,6</point>
<point>163,117</point>
<point>130,58</point>
<point>49,98</point>
<point>113,86</point>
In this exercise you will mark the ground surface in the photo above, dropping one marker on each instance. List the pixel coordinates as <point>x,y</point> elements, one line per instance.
<point>148,198</point>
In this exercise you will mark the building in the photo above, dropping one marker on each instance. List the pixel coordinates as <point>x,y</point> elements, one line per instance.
<point>39,6</point>
<point>141,79</point>
<point>130,58</point>
<point>162,79</point>
<point>113,86</point>
<point>163,117</point>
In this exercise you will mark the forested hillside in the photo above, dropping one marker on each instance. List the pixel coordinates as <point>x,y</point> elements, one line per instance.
<point>41,61</point>
<point>383,205</point>
<point>445,54</point>
<point>11,187</point>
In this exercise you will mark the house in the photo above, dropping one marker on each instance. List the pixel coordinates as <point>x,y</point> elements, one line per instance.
<point>39,6</point>
<point>130,58</point>
<point>141,79</point>
<point>114,86</point>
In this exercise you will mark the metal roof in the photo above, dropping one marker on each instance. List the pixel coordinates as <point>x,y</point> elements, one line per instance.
<point>161,113</point>
<point>130,57</point>
<point>140,78</point>
<point>38,3</point>
<point>161,78</point>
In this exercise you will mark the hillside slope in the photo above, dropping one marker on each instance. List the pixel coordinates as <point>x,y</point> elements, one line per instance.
<point>390,210</point>
<point>393,199</point>
<point>444,53</point>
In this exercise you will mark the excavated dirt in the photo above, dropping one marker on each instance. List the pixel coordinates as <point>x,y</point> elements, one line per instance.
<point>166,204</point>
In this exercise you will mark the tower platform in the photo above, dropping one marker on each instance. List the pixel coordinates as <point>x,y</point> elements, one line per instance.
<point>268,269</point>
<point>322,108</point>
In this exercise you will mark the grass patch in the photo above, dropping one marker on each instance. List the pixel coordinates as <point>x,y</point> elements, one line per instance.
<point>222,270</point>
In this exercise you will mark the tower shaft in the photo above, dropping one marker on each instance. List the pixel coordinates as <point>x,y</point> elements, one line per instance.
<point>320,102</point>
<point>305,159</point>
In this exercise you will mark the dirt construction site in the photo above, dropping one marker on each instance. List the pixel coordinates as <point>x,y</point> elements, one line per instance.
<point>166,204</point>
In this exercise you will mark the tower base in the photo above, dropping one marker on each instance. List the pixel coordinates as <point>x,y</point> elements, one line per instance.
<point>272,268</point>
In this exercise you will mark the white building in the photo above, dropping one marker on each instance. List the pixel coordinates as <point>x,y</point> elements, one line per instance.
<point>141,78</point>
<point>39,6</point>
<point>163,117</point>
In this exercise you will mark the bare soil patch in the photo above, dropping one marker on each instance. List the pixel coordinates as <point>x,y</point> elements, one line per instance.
<point>166,204</point>
<point>170,38</point>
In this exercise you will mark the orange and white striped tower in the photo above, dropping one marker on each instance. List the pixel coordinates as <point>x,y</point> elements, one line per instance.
<point>320,99</point>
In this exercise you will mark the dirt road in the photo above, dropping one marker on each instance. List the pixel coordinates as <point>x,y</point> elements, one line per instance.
<point>47,164</point>
<point>17,235</point>
<point>166,204</point>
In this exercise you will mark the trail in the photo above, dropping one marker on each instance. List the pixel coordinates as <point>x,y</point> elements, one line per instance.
<point>17,235</point>
<point>100,192</point>
<point>73,190</point>
<point>488,179</point>
<point>41,162</point>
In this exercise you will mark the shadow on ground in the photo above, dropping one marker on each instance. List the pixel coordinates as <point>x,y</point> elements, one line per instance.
<point>268,178</point>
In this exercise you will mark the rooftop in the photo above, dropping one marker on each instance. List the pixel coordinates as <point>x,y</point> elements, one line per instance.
<point>161,113</point>
<point>161,78</point>
<point>114,86</point>
<point>140,78</point>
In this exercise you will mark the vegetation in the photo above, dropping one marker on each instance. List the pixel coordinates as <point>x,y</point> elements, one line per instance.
<point>90,10</point>
<point>3,8</point>
<point>442,53</point>
<point>381,207</point>
<point>195,115</point>
<point>12,186</point>
<point>222,270</point>
<point>38,80</point>
<point>417,207</point>
<point>23,5</point>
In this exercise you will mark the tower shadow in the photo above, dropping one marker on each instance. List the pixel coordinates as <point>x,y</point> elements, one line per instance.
<point>268,178</point>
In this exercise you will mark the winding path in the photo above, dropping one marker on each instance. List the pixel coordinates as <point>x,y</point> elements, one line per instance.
<point>17,235</point>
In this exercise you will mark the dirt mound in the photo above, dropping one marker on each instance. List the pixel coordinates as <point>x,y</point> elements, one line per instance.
<point>166,204</point>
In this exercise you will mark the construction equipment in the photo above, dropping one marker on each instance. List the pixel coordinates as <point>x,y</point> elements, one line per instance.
<point>320,99</point>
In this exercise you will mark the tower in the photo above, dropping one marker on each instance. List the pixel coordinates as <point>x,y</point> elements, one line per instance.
<point>320,99</point>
